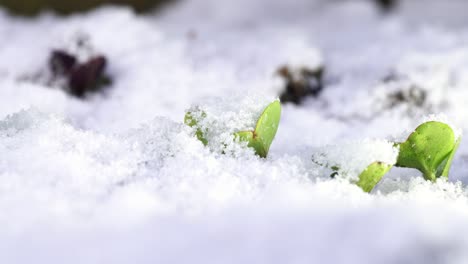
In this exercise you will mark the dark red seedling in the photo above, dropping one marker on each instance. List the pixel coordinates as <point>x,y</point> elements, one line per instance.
<point>61,63</point>
<point>300,83</point>
<point>88,76</point>
<point>81,78</point>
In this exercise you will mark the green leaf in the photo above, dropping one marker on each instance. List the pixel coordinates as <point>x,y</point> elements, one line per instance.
<point>267,125</point>
<point>372,175</point>
<point>191,121</point>
<point>430,149</point>
<point>448,163</point>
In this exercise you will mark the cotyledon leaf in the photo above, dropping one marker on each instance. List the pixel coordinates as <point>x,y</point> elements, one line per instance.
<point>267,124</point>
<point>265,130</point>
<point>372,175</point>
<point>430,146</point>
<point>448,163</point>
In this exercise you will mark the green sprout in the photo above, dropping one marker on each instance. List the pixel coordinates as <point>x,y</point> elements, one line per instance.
<point>430,149</point>
<point>259,139</point>
<point>372,175</point>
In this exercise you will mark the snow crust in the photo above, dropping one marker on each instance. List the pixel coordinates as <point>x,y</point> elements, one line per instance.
<point>118,177</point>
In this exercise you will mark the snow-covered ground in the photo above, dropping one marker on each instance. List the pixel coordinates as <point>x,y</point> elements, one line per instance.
<point>118,178</point>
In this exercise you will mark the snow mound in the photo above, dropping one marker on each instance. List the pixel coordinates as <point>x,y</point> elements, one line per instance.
<point>50,168</point>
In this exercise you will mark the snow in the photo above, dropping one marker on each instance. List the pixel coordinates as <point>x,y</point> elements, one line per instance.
<point>118,177</point>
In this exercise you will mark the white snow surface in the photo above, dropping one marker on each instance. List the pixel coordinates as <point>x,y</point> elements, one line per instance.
<point>118,177</point>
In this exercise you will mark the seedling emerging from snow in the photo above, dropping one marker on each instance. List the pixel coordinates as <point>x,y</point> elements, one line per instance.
<point>362,162</point>
<point>372,175</point>
<point>259,139</point>
<point>430,149</point>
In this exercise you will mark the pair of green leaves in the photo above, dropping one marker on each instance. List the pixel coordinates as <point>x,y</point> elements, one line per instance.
<point>259,139</point>
<point>429,149</point>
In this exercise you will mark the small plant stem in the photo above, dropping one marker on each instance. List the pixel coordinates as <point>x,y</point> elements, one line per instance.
<point>429,176</point>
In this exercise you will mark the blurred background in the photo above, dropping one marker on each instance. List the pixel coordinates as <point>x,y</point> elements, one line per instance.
<point>450,12</point>
<point>32,7</point>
